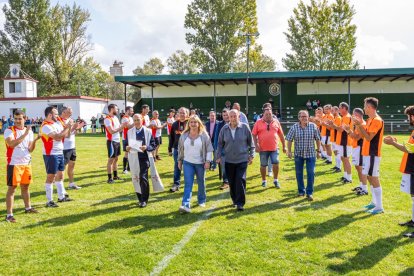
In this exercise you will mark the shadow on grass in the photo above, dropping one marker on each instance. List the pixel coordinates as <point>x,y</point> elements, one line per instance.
<point>319,230</point>
<point>320,204</point>
<point>407,272</point>
<point>368,256</point>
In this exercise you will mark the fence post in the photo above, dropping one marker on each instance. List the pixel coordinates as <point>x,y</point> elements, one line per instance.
<point>392,127</point>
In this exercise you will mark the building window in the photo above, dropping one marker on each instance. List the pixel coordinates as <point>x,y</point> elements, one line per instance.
<point>15,87</point>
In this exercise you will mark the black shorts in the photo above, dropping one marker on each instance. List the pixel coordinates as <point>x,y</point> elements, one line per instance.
<point>114,149</point>
<point>69,155</point>
<point>158,141</point>
<point>124,144</point>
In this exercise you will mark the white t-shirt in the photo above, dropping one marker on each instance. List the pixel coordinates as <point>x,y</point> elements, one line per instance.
<point>130,121</point>
<point>50,145</point>
<point>20,154</point>
<point>193,151</point>
<point>146,121</point>
<point>156,122</point>
<point>170,121</point>
<point>69,142</point>
<point>116,137</point>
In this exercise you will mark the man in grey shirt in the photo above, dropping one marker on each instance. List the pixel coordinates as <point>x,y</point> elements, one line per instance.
<point>236,141</point>
<point>304,133</point>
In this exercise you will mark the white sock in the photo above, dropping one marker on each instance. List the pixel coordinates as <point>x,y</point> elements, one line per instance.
<point>373,196</point>
<point>349,176</point>
<point>345,175</point>
<point>330,158</point>
<point>338,161</point>
<point>412,216</point>
<point>49,191</point>
<point>71,184</point>
<point>60,189</point>
<point>364,187</point>
<point>323,153</point>
<point>10,215</point>
<point>378,198</point>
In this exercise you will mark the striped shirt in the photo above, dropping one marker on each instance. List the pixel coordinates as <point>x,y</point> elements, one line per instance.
<point>304,138</point>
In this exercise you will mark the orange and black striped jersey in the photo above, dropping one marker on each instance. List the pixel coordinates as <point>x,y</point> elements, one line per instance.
<point>326,131</point>
<point>407,162</point>
<point>342,137</point>
<point>334,132</point>
<point>358,142</point>
<point>373,147</point>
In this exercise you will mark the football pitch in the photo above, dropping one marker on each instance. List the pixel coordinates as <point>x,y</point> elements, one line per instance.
<point>103,231</point>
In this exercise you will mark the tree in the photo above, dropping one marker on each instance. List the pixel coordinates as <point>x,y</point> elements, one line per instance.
<point>258,62</point>
<point>213,31</point>
<point>181,63</point>
<point>322,36</point>
<point>154,66</point>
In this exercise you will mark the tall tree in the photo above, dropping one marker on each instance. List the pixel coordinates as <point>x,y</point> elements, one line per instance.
<point>153,66</point>
<point>321,36</point>
<point>213,31</point>
<point>258,62</point>
<point>181,63</point>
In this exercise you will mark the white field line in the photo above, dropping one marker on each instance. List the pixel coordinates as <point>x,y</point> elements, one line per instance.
<point>187,237</point>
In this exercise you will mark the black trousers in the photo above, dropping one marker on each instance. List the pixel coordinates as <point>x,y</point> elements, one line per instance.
<point>143,180</point>
<point>236,174</point>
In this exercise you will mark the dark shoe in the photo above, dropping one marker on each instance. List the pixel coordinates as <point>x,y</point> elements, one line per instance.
<point>342,178</point>
<point>224,186</point>
<point>357,189</point>
<point>117,178</point>
<point>346,181</point>
<point>110,181</point>
<point>337,170</point>
<point>361,193</point>
<point>31,211</point>
<point>300,195</point>
<point>409,235</point>
<point>240,208</point>
<point>142,204</point>
<point>65,199</point>
<point>328,162</point>
<point>10,219</point>
<point>174,188</point>
<point>51,204</point>
<point>409,223</point>
<point>309,197</point>
<point>157,157</point>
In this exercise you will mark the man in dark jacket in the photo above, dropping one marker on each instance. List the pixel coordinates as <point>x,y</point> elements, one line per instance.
<point>176,129</point>
<point>211,127</point>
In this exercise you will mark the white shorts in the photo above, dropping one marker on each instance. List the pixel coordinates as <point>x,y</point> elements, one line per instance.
<point>334,146</point>
<point>407,184</point>
<point>371,165</point>
<point>344,151</point>
<point>326,140</point>
<point>356,156</point>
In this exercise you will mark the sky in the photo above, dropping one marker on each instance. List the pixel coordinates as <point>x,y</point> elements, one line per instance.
<point>134,31</point>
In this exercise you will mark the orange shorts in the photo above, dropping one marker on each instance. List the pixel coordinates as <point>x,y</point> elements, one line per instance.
<point>19,174</point>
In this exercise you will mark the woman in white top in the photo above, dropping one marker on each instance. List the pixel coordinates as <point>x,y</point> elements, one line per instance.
<point>195,153</point>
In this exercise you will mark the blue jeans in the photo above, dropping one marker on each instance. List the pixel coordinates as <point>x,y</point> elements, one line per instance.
<point>177,172</point>
<point>269,157</point>
<point>191,170</point>
<point>310,172</point>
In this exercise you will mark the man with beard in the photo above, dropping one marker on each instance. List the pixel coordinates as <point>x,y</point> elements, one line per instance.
<point>112,130</point>
<point>53,133</point>
<point>407,165</point>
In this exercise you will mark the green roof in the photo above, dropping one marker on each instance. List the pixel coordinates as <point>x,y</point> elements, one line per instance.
<point>390,74</point>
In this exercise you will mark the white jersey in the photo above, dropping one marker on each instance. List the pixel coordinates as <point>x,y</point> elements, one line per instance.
<point>146,122</point>
<point>170,121</point>
<point>114,123</point>
<point>156,132</point>
<point>130,121</point>
<point>50,145</point>
<point>69,142</point>
<point>19,155</point>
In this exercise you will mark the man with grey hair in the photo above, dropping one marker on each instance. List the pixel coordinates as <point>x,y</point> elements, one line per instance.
<point>236,140</point>
<point>176,129</point>
<point>243,117</point>
<point>305,134</point>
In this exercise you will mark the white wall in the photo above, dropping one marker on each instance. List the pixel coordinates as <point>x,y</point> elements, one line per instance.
<point>88,109</point>
<point>198,91</point>
<point>28,89</point>
<point>364,87</point>
<point>120,104</point>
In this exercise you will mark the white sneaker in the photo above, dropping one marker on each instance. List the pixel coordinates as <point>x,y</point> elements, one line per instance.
<point>74,187</point>
<point>184,209</point>
<point>270,174</point>
<point>126,172</point>
<point>202,205</point>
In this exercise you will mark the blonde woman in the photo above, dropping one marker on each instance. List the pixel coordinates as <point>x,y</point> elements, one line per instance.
<point>195,152</point>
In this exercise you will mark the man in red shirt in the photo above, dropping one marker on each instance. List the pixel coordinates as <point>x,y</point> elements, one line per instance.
<point>266,135</point>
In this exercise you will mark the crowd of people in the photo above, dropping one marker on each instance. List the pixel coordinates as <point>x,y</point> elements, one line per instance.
<point>333,133</point>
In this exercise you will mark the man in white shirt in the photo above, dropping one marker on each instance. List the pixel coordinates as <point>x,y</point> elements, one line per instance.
<point>156,128</point>
<point>52,133</point>
<point>19,144</point>
<point>127,119</point>
<point>113,141</point>
<point>145,111</point>
<point>69,146</point>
